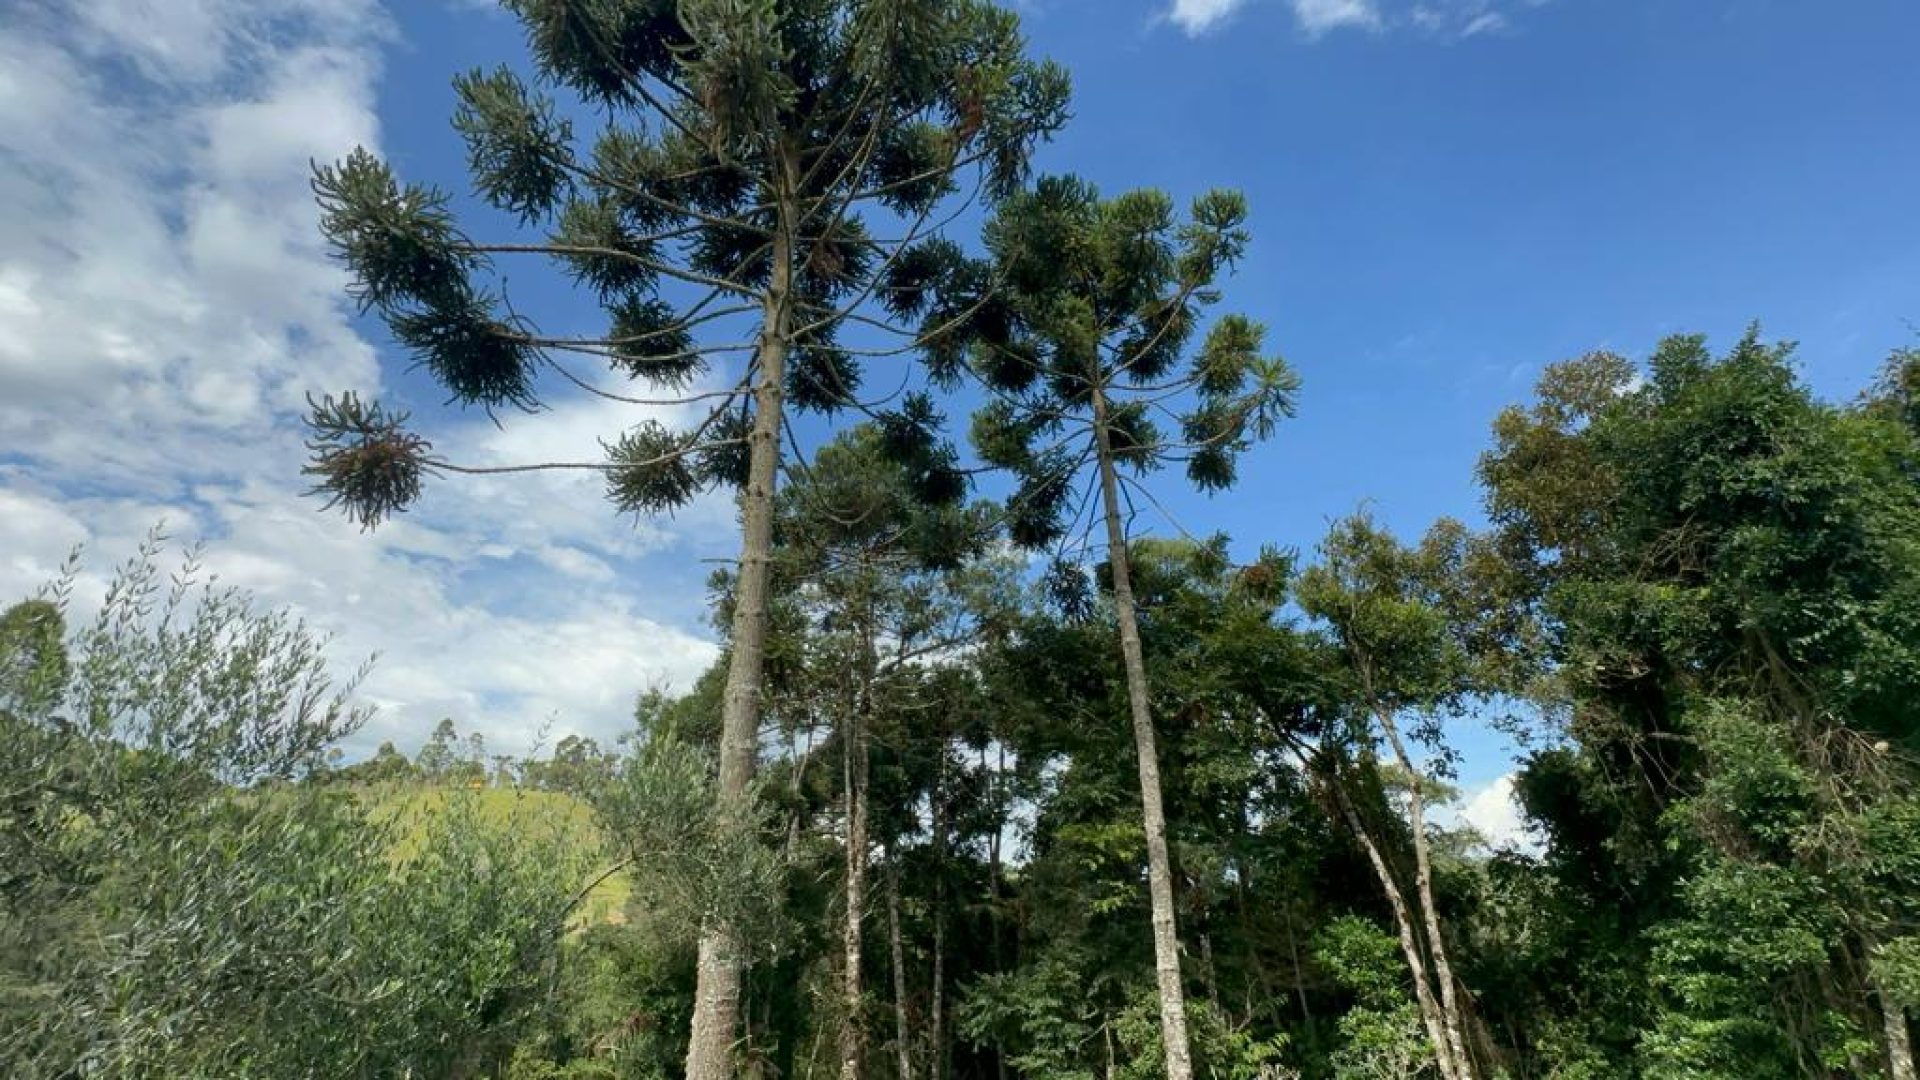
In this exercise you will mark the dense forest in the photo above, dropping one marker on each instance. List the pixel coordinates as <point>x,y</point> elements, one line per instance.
<point>989,781</point>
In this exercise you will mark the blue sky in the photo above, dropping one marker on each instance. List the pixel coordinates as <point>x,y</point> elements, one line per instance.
<point>1447,195</point>
<point>1437,214</point>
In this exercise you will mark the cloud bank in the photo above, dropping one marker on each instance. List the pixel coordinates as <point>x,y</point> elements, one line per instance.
<point>166,304</point>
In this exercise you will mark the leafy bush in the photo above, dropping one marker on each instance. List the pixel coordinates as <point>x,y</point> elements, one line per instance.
<point>180,899</point>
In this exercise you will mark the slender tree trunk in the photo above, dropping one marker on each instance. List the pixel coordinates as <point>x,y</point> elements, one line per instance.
<point>853,748</point>
<point>1166,939</point>
<point>1113,1064</point>
<point>1430,913</point>
<point>1212,975</point>
<point>903,1046</point>
<point>794,788</point>
<point>1258,972</point>
<point>993,878</point>
<point>937,1061</point>
<point>1299,975</point>
<point>716,1007</point>
<point>1893,1020</point>
<point>1409,940</point>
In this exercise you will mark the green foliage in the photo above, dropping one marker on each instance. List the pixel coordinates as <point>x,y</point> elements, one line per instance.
<point>744,148</point>
<point>1044,1016</point>
<point>1381,1035</point>
<point>33,658</point>
<point>364,457</point>
<point>692,862</point>
<point>1047,1015</point>
<point>1723,566</point>
<point>1221,1050</point>
<point>188,900</point>
<point>1405,619</point>
<point>1897,392</point>
<point>1896,970</point>
<point>577,767</point>
<point>1101,298</point>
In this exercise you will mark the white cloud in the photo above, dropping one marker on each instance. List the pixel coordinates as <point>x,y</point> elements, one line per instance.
<point>166,304</point>
<point>1320,16</point>
<point>1487,22</point>
<point>1461,19</point>
<point>1494,812</point>
<point>157,267</point>
<point>1197,16</point>
<point>1449,19</point>
<point>35,537</point>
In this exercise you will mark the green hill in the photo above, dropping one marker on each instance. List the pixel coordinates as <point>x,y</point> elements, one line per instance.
<point>523,811</point>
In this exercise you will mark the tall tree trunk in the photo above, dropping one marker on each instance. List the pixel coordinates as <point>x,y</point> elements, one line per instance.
<point>1430,913</point>
<point>1893,1021</point>
<point>1409,940</point>
<point>902,1044</point>
<point>993,876</point>
<point>1113,1063</point>
<point>1166,939</point>
<point>1299,974</point>
<point>716,1006</point>
<point>937,1060</point>
<point>1210,973</point>
<point>795,786</point>
<point>853,749</point>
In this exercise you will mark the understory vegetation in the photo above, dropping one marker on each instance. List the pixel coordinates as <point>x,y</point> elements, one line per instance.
<point>1695,603</point>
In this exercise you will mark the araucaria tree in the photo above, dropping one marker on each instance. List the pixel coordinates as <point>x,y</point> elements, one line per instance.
<point>1085,349</point>
<point>763,169</point>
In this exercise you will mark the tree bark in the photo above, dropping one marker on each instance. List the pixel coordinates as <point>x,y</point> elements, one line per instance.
<point>1893,1020</point>
<point>716,1008</point>
<point>937,1060</point>
<point>993,876</point>
<point>1409,941</point>
<point>903,1046</point>
<point>1430,914</point>
<point>797,786</point>
<point>1209,972</point>
<point>1166,940</point>
<point>1299,974</point>
<point>853,748</point>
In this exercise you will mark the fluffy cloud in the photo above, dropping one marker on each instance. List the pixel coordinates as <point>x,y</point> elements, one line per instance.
<point>165,306</point>
<point>1494,812</point>
<point>152,266</point>
<point>1450,19</point>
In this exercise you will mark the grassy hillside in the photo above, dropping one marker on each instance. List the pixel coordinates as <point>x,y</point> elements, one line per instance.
<point>524,812</point>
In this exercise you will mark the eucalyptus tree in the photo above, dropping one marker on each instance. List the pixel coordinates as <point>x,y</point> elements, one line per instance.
<point>761,171</point>
<point>1403,656</point>
<point>1084,347</point>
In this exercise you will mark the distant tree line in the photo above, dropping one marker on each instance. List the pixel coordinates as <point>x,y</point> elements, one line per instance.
<point>575,764</point>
